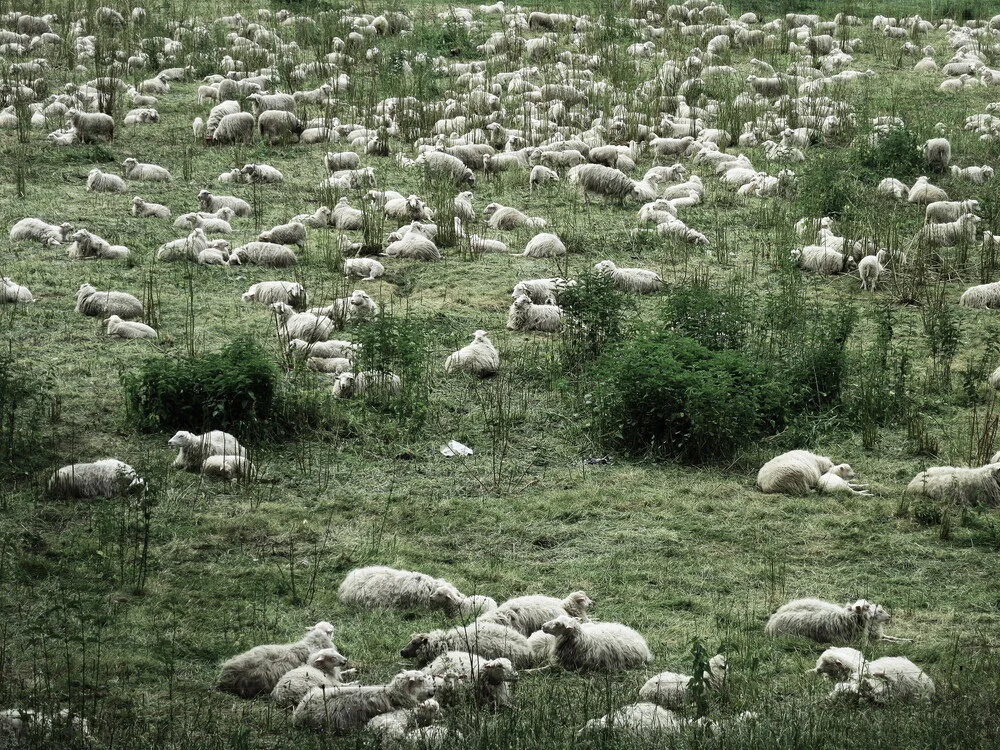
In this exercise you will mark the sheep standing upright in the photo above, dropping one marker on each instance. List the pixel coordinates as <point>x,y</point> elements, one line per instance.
<point>257,671</point>
<point>596,646</point>
<point>826,622</point>
<point>596,178</point>
<point>937,154</point>
<point>959,485</point>
<point>341,709</point>
<point>480,358</point>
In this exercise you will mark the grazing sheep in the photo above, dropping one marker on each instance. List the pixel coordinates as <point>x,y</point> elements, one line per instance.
<point>826,622</point>
<point>136,170</point>
<point>219,111</point>
<point>92,127</point>
<point>100,182</point>
<point>959,486</point>
<point>232,128</point>
<point>186,248</point>
<point>543,245</point>
<point>343,160</point>
<point>937,154</point>
<point>304,325</point>
<point>265,254</point>
<point>541,175</point>
<point>870,268</point>
<point>527,614</point>
<point>596,646</point>
<point>213,203</point>
<point>837,480</point>
<point>792,473</point>
<point>142,209</point>
<point>413,246</point>
<point>13,293</point>
<point>923,192</point>
<point>439,165</point>
<point>279,126</point>
<point>670,689</point>
<point>341,709</point>
<point>230,468</point>
<point>638,280</point>
<point>507,218</point>
<point>456,604</point>
<point>40,231</point>
<point>488,640</point>
<point>257,671</point>
<point>262,174</point>
<point>350,384</point>
<point>97,304</point>
<point>480,358</point>
<point>379,587</point>
<point>292,233</point>
<point>940,212</point>
<point>365,269</point>
<point>949,234</point>
<point>329,349</point>
<point>524,315</point>
<point>123,329</point>
<point>596,178</point>
<point>271,102</point>
<point>267,292</point>
<point>108,477</point>
<point>640,719</point>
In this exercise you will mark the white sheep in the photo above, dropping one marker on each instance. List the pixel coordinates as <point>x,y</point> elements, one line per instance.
<point>262,174</point>
<point>541,291</point>
<point>439,165</point>
<point>357,308</point>
<point>892,187</point>
<point>541,175</point>
<point>40,231</point>
<point>640,719</point>
<point>14,293</point>
<point>330,365</point>
<point>265,254</point>
<point>230,468</point>
<point>870,268</point>
<point>257,671</point>
<point>826,622</point>
<point>236,127</point>
<point>341,709</point>
<point>885,680</point>
<point>479,244</point>
<point>209,202</point>
<point>292,233</point>
<point>507,218</point>
<point>596,178</point>
<point>486,639</point>
<point>92,127</point>
<point>923,192</point>
<point>820,259</point>
<point>321,217</point>
<point>456,604</point>
<point>186,248</point>
<point>342,160</point>
<point>543,245</point>
<point>975,175</point>
<point>365,269</point>
<point>527,614</point>
<point>525,315</point>
<point>670,689</point>
<point>413,246</point>
<point>142,209</point>
<point>304,325</point>
<point>136,170</point>
<point>638,280</point>
<point>323,668</point>
<point>837,480</point>
<point>408,726</point>
<point>100,182</point>
<point>792,473</point>
<point>88,246</point>
<point>379,587</point>
<point>97,304</point>
<point>678,230</point>
<point>596,646</point>
<point>267,292</point>
<point>108,477</point>
<point>937,154</point>
<point>479,358</point>
<point>123,329</point>
<point>350,384</point>
<point>959,485</point>
<point>452,671</point>
<point>330,349</point>
<point>194,449</point>
<point>940,212</point>
<point>982,295</point>
<point>952,233</point>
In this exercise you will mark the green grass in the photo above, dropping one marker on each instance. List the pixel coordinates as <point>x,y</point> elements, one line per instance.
<point>123,611</point>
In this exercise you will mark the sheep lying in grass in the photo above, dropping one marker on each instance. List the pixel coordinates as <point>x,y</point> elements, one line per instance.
<point>596,178</point>
<point>331,348</point>
<point>304,325</point>
<point>40,231</point>
<point>108,477</point>
<point>322,669</point>
<point>268,292</point>
<point>217,255</point>
<point>342,709</point>
<point>413,246</point>
<point>17,724</point>
<point>230,468</point>
<point>541,291</point>
<point>670,689</point>
<point>959,486</point>
<point>453,671</point>
<point>637,718</point>
<point>13,293</point>
<point>364,269</point>
<point>257,671</point>
<point>792,473</point>
<point>350,384</point>
<point>924,192</point>
<point>941,212</point>
<point>292,233</point>
<point>123,329</point>
<point>894,188</point>
<point>527,614</point>
<point>486,639</point>
<point>357,308</point>
<point>88,246</point>
<point>596,646</point>
<point>321,217</point>
<point>825,622</point>
<point>379,587</point>
<point>186,248</point>
<point>136,170</point>
<point>209,202</point>
<point>480,358</point>
<point>456,604</point>
<point>543,245</point>
<point>343,160</point>
<point>837,480</point>
<point>507,218</point>
<point>142,209</point>
<point>638,280</point>
<point>982,295</point>
<point>258,174</point>
<point>678,230</point>
<point>891,678</point>
<point>194,449</point>
<point>975,175</point>
<point>410,726</point>
<point>524,315</point>
<point>101,182</point>
<point>821,260</point>
<point>266,254</point>
<point>97,304</point>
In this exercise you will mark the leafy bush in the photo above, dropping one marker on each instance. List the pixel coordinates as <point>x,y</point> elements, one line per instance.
<point>234,388</point>
<point>715,319</point>
<point>25,399</point>
<point>593,315</point>
<point>397,344</point>
<point>827,185</point>
<point>896,153</point>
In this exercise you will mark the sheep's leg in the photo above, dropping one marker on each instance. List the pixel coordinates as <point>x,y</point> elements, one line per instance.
<point>894,639</point>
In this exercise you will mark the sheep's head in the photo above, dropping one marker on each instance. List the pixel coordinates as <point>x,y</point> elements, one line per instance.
<point>225,213</point>
<point>129,162</point>
<point>500,670</point>
<point>562,625</point>
<point>480,336</point>
<point>523,301</point>
<point>838,663</point>
<point>182,439</point>
<point>419,642</point>
<point>112,319</point>
<point>416,684</point>
<point>444,596</point>
<point>844,471</point>
<point>322,627</point>
<point>578,601</point>
<point>491,209</point>
<point>717,666</point>
<point>138,202</point>
<point>281,309</point>
<point>427,711</point>
<point>605,266</point>
<point>865,610</point>
<point>327,660</point>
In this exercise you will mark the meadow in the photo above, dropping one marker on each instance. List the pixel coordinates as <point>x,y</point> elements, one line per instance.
<point>122,609</point>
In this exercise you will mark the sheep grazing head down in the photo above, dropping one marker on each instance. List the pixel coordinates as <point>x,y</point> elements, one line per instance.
<point>864,610</point>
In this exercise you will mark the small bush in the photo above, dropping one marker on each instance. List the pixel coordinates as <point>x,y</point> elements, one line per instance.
<point>896,153</point>
<point>715,319</point>
<point>593,315</point>
<point>25,400</point>
<point>234,388</point>
<point>827,185</point>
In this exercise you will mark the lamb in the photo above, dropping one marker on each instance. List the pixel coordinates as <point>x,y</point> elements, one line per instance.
<point>792,473</point>
<point>949,234</point>
<point>40,231</point>
<point>975,175</point>
<point>893,187</point>
<point>596,646</point>
<point>92,127</point>
<point>527,614</point>
<point>638,719</point>
<point>456,604</point>
<point>329,349</point>
<point>596,178</point>
<point>217,255</point>
<point>123,329</point>
<point>212,203</point>
<point>96,304</point>
<point>257,671</point>
<point>507,218</point>
<point>318,219</point>
<point>259,174</point>
<point>356,308</point>
<point>837,479</point>
<point>135,170</point>
<point>365,269</point>
<point>486,639</point>
<point>940,212</point>
<point>541,175</point>
<point>638,280</point>
<point>265,254</point>
<point>825,622</point>
<point>236,127</point>
<point>439,165</point>
<point>870,268</point>
<point>292,233</point>
<point>108,477</point>
<point>413,246</point>
<point>350,384</point>
<point>453,668</point>
<point>409,726</point>
<point>230,468</point>
<point>13,293</point>
<point>379,587</point>
<point>322,669</point>
<point>820,259</point>
<point>881,680</point>
<point>187,248</point>
<point>982,295</point>
<point>959,486</point>
<point>194,449</point>
<point>142,209</point>
<point>480,358</point>
<point>100,182</point>
<point>267,292</point>
<point>541,291</point>
<point>923,192</point>
<point>937,154</point>
<point>670,689</point>
<point>341,709</point>
<point>524,315</point>
<point>305,325</point>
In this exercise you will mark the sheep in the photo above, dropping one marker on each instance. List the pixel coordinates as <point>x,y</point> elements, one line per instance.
<point>541,291</point>
<point>341,709</point>
<point>218,224</point>
<point>329,349</point>
<point>108,477</point>
<point>318,219</point>
<point>452,670</point>
<point>232,176</point>
<point>186,248</point>
<point>949,234</point>
<point>837,479</point>
<point>596,178</point>
<point>271,102</point>
<point>937,154</point>
<point>219,111</point>
<point>100,182</point>
<point>923,192</point>
<point>330,365</point>
<point>342,160</point>
<point>870,268</point>
<point>266,292</point>
<point>982,295</point>
<point>792,473</point>
<point>89,246</point>
<point>678,230</point>
<point>543,245</point>
<point>893,187</point>
<point>279,126</point>
<point>670,689</point>
<point>413,246</point>
<point>96,304</point>
<point>356,308</point>
<point>265,254</point>
<point>527,614</point>
<point>825,622</point>
<point>456,604</point>
<point>236,127</point>
<point>488,640</point>
<point>122,329</point>
<point>379,587</point>
<point>959,486</point>
<point>638,719</point>
<point>257,671</point>
<point>889,679</point>
<point>231,468</point>
<point>262,174</point>
<point>212,203</point>
<point>596,646</point>
<point>541,175</point>
<point>524,315</point>
<point>194,449</point>
<point>365,269</point>
<point>142,116</point>
<point>142,209</point>
<point>506,218</point>
<point>136,170</point>
<point>305,325</point>
<point>40,231</point>
<point>92,127</point>
<point>350,384</point>
<point>940,212</point>
<point>480,358</point>
<point>975,175</point>
<point>13,293</point>
<point>479,244</point>
<point>410,726</point>
<point>17,724</point>
<point>638,280</point>
<point>292,233</point>
<point>439,165</point>
<point>820,259</point>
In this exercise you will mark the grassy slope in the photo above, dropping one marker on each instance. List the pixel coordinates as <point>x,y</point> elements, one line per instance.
<point>674,552</point>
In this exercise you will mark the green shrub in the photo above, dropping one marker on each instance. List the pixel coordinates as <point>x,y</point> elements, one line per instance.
<point>593,315</point>
<point>827,184</point>
<point>896,153</point>
<point>25,400</point>
<point>234,388</point>
<point>714,318</point>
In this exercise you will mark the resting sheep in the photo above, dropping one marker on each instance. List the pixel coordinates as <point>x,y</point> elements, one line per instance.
<point>821,260</point>
<point>97,304</point>
<point>413,246</point>
<point>304,325</point>
<point>136,170</point>
<point>267,292</point>
<point>923,192</point>
<point>541,291</point>
<point>527,614</point>
<point>40,231</point>
<point>959,486</point>
<point>638,280</point>
<point>975,175</point>
<point>322,669</point>
<point>108,477</point>
<point>379,587</point>
<point>186,248</point>
<point>331,348</point>
<point>212,203</point>
<point>257,671</point>
<point>596,646</point>
<point>486,639</point>
<point>952,233</point>
<point>456,604</point>
<point>507,218</point>
<point>410,726</point>
<point>142,209</point>
<point>890,678</point>
<point>13,293</point>
<point>940,212</point>
<point>480,358</point>
<point>350,384</point>
<point>341,709</point>
<point>364,269</point>
<point>543,245</point>
<point>670,689</point>
<point>194,449</point>
<point>640,719</point>
<point>123,329</point>
<point>479,244</point>
<point>262,174</point>
<point>837,480</point>
<point>265,254</point>
<point>524,315</point>
<point>230,468</point>
<point>792,473</point>
<point>100,182</point>
<point>292,233</point>
<point>441,166</point>
<point>825,622</point>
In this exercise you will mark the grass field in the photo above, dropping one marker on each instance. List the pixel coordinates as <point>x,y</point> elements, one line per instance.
<point>122,609</point>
